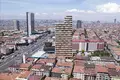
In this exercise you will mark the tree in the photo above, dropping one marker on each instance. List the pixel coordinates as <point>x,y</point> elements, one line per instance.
<point>83,52</point>
<point>100,53</point>
<point>29,67</point>
<point>118,42</point>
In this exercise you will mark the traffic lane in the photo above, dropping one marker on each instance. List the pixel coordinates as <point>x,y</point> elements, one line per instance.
<point>39,41</point>
<point>12,60</point>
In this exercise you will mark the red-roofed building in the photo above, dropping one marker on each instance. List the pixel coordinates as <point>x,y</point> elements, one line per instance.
<point>35,77</point>
<point>79,62</point>
<point>64,64</point>
<point>89,71</point>
<point>102,73</point>
<point>25,75</point>
<point>111,66</point>
<point>61,72</point>
<point>74,79</point>
<point>116,53</point>
<point>49,62</point>
<point>54,78</point>
<point>118,68</point>
<point>24,66</point>
<point>78,72</point>
<point>36,69</point>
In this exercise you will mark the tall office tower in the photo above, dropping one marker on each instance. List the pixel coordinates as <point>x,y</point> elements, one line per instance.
<point>30,23</point>
<point>79,24</point>
<point>115,20</point>
<point>64,38</point>
<point>16,25</point>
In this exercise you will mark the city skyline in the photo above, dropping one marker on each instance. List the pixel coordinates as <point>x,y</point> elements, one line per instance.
<point>105,10</point>
<point>59,39</point>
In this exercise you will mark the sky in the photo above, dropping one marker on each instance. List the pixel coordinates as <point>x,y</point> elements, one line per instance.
<point>88,10</point>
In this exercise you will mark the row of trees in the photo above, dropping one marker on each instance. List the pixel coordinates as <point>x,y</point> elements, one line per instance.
<point>118,42</point>
<point>100,53</point>
<point>95,53</point>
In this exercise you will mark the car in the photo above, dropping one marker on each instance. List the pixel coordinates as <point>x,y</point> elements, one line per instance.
<point>3,58</point>
<point>12,56</point>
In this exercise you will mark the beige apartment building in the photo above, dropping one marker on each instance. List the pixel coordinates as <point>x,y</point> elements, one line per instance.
<point>64,38</point>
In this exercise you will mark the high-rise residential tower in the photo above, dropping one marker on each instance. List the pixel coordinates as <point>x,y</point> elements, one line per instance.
<point>16,25</point>
<point>64,38</point>
<point>79,24</point>
<point>115,20</point>
<point>30,23</point>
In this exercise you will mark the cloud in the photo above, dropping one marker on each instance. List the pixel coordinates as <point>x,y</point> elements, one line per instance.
<point>108,8</point>
<point>37,14</point>
<point>44,13</point>
<point>90,11</point>
<point>74,10</point>
<point>80,11</point>
<point>104,8</point>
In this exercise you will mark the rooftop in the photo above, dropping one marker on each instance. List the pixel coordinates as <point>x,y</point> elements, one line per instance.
<point>111,66</point>
<point>36,66</point>
<point>35,77</point>
<point>54,78</point>
<point>62,70</point>
<point>78,69</point>
<point>24,74</point>
<point>30,59</point>
<point>101,69</point>
<point>45,68</point>
<point>79,62</point>
<point>116,50</point>
<point>74,79</point>
<point>24,65</point>
<point>64,64</point>
<point>38,54</point>
<point>46,61</point>
<point>8,76</point>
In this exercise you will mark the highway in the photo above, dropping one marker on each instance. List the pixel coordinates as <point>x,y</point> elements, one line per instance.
<point>28,51</point>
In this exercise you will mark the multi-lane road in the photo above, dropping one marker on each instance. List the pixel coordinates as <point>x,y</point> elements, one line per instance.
<point>28,51</point>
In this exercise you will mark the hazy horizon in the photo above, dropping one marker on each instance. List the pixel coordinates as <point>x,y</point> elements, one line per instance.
<point>86,10</point>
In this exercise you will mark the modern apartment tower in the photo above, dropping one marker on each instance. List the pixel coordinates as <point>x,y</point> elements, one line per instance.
<point>30,23</point>
<point>64,38</point>
<point>79,24</point>
<point>16,25</point>
<point>115,20</point>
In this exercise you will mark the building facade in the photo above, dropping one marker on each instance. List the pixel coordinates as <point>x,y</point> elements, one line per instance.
<point>64,38</point>
<point>86,45</point>
<point>30,23</point>
<point>16,25</point>
<point>79,24</point>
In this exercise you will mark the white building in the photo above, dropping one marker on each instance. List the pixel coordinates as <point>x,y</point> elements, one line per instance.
<point>87,45</point>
